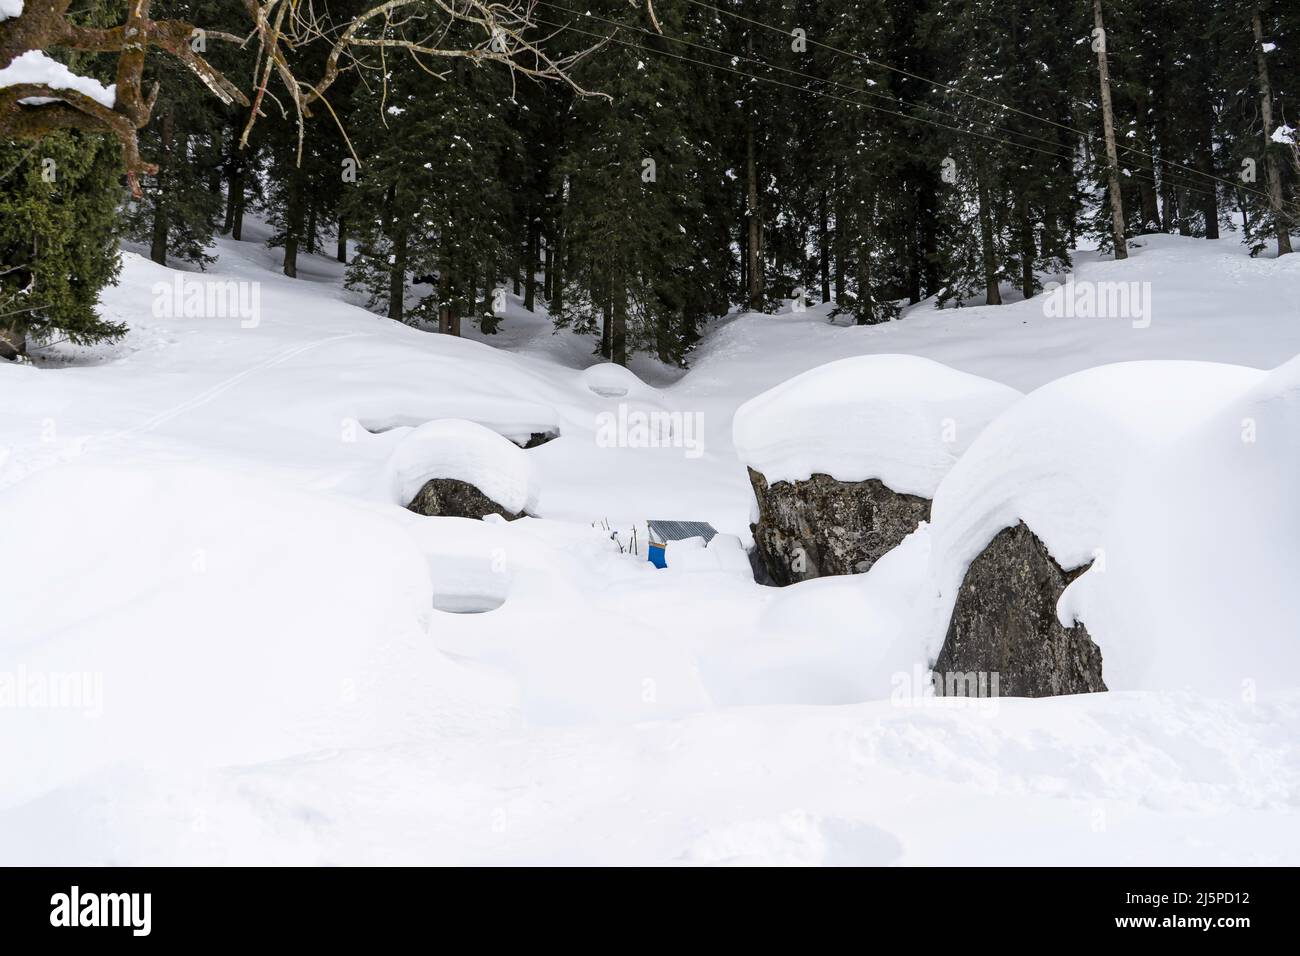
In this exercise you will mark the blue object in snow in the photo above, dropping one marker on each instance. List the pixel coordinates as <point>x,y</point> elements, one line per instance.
<point>662,532</point>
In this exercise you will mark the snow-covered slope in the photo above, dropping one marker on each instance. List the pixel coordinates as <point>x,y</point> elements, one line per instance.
<point>199,533</point>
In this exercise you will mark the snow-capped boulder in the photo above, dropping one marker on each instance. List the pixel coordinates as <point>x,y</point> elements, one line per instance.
<point>1203,554</point>
<point>1025,512</point>
<point>1005,623</point>
<point>456,468</point>
<point>809,529</point>
<point>844,459</point>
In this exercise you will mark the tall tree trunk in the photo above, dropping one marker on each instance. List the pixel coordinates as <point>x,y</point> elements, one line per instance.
<point>743,246</point>
<point>866,301</point>
<point>530,264</point>
<point>754,291</point>
<point>311,227</point>
<point>1146,188</point>
<point>342,252</point>
<point>548,268</point>
<point>1108,127</point>
<point>930,236</point>
<point>397,271</point>
<point>238,185</point>
<point>911,239</point>
<point>992,294</point>
<point>618,327</point>
<point>294,216</point>
<point>1210,53</point>
<point>824,246</point>
<point>444,296</point>
<point>1170,215</point>
<point>556,303</point>
<point>1270,157</point>
<point>234,190</point>
<point>1028,251</point>
<point>840,244</point>
<point>161,214</point>
<point>607,319</point>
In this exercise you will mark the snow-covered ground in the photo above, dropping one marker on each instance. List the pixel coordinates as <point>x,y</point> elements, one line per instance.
<point>274,662</point>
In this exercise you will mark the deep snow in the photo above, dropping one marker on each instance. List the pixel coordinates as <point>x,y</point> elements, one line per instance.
<point>280,667</point>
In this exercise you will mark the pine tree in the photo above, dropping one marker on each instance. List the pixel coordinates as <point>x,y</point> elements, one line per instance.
<point>59,232</point>
<point>633,196</point>
<point>428,200</point>
<point>60,225</point>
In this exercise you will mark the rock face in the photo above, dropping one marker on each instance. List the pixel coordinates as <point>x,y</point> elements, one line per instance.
<point>809,529</point>
<point>452,498</point>
<point>1004,635</point>
<point>538,438</point>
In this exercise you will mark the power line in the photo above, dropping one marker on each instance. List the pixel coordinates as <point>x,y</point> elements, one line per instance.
<point>802,89</point>
<point>894,99</point>
<point>891,98</point>
<point>940,85</point>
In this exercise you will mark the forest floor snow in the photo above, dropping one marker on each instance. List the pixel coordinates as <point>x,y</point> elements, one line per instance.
<point>272,662</point>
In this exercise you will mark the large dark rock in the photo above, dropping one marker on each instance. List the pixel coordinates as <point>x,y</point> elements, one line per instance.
<point>453,498</point>
<point>1004,626</point>
<point>809,529</point>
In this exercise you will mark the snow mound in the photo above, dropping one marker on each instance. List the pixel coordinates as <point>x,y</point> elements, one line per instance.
<point>35,67</point>
<point>899,418</point>
<point>1198,588</point>
<point>1059,458</point>
<point>207,618</point>
<point>612,381</point>
<point>723,554</point>
<point>469,452</point>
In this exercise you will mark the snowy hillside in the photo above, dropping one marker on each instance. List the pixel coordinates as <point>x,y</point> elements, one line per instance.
<point>282,664</point>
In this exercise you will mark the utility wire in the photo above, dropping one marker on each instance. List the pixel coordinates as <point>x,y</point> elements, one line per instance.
<point>891,98</point>
<point>803,89</point>
<point>894,99</point>
<point>946,86</point>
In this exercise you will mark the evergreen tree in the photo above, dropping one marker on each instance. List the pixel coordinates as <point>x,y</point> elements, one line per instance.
<point>59,232</point>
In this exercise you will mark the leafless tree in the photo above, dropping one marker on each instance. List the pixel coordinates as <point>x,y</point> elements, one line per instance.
<point>506,33</point>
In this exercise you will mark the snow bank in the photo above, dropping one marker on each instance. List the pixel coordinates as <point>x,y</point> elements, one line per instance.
<point>454,448</point>
<point>1058,459</point>
<point>1202,556</point>
<point>835,640</point>
<point>898,418</point>
<point>613,381</point>
<point>207,618</point>
<point>35,67</point>
<point>10,8</point>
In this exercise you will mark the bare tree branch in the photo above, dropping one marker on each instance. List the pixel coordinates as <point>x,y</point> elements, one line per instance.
<point>506,35</point>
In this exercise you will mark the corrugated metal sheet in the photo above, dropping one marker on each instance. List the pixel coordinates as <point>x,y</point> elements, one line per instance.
<point>666,531</point>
